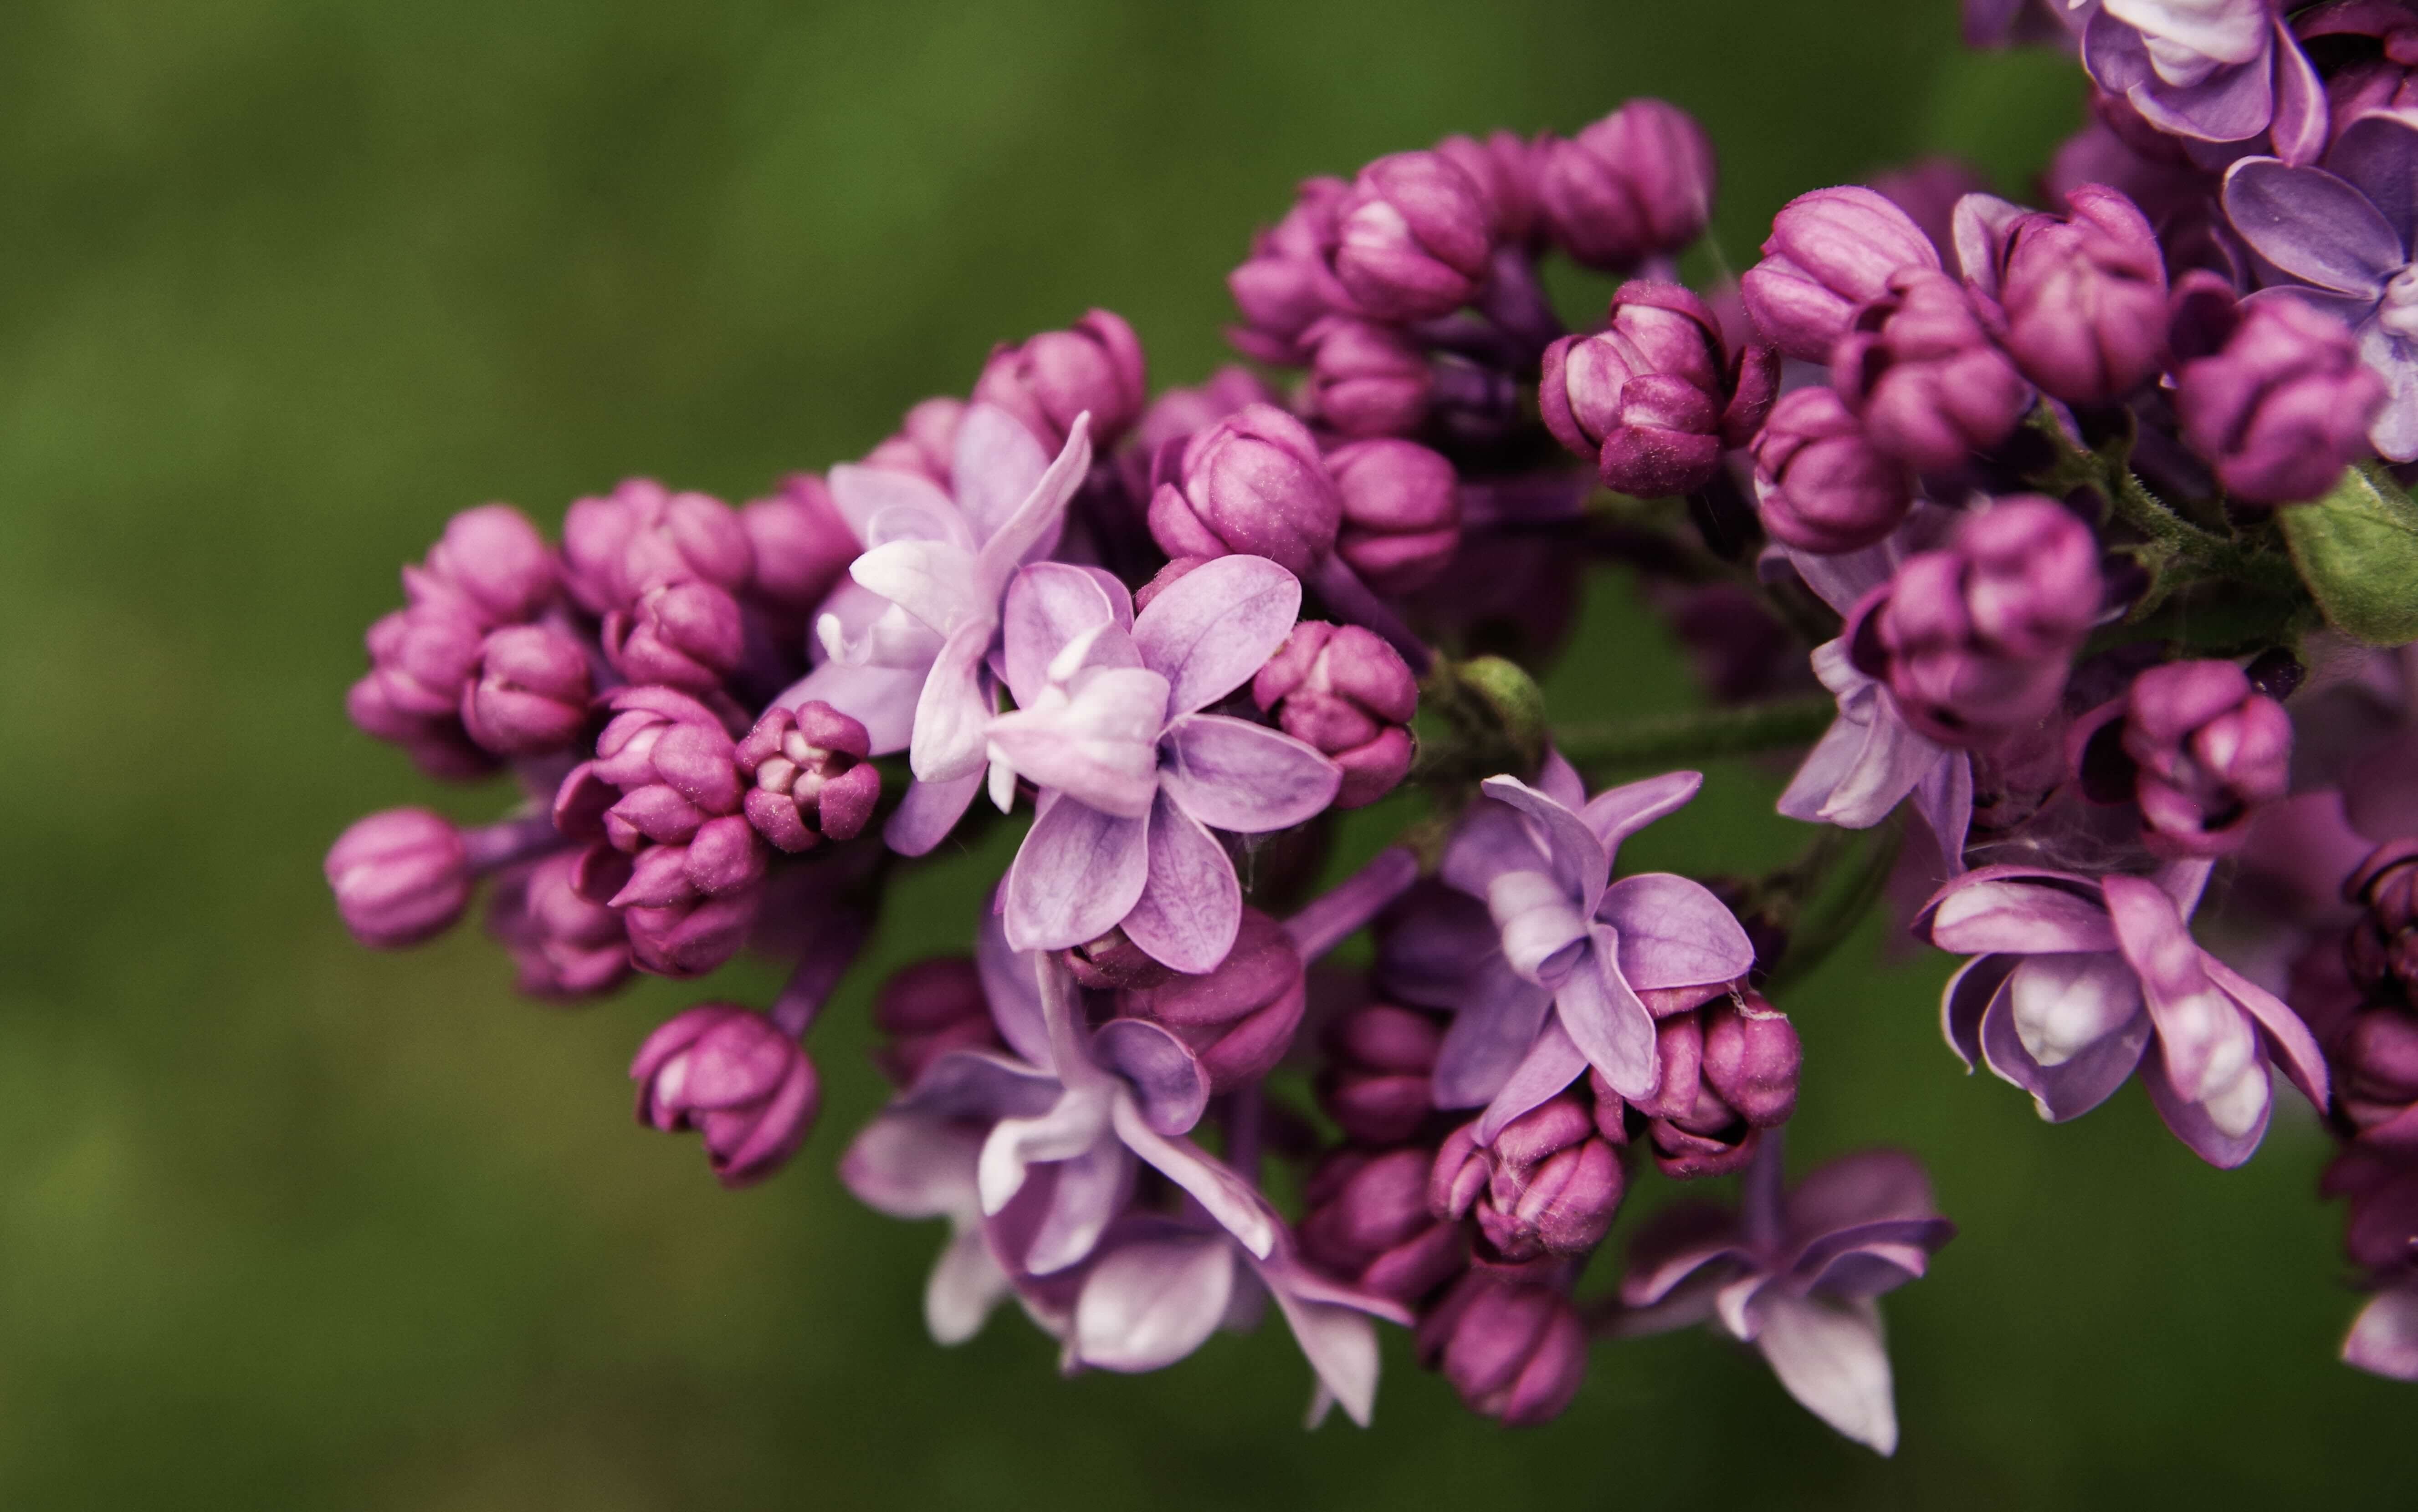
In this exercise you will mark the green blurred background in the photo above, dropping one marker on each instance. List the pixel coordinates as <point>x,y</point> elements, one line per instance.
<point>286,1224</point>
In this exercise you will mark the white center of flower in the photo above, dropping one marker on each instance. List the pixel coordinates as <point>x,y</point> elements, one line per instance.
<point>2398,314</point>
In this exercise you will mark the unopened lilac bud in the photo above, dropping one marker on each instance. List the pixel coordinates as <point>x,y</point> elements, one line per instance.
<point>1506,168</point>
<point>565,946</point>
<point>1752,1059</point>
<point>2376,1066</point>
<point>800,545</point>
<point>926,1010</point>
<point>1930,385</point>
<point>1366,378</point>
<point>643,535</point>
<point>1368,1223</point>
<point>1653,399</point>
<point>1113,963</point>
<point>1514,1350</point>
<point>496,560</point>
<point>1693,1130</point>
<point>2283,408</point>
<point>2084,296</point>
<point>438,744</point>
<point>1179,414</point>
<point>528,694</point>
<point>1830,252</point>
<point>813,777</point>
<point>1239,1019</point>
<point>1402,512</point>
<point>1287,286</point>
<point>1637,183</point>
<point>1343,690</point>
<point>2209,750</point>
<point>683,634</point>
<point>925,442</point>
<point>400,877</point>
<point>1548,1184</point>
<point>422,657</point>
<point>1097,367</point>
<point>2383,948</point>
<point>1252,485</point>
<point>1821,483</point>
<point>730,1074</point>
<point>2381,1234</point>
<point>1376,1081</point>
<point>1412,237</point>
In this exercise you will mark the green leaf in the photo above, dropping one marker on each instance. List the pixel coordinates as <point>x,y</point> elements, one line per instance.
<point>2357,549</point>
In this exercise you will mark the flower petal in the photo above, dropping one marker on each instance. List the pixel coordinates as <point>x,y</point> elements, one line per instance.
<point>1579,862</point>
<point>953,710</point>
<point>2374,154</point>
<point>1147,1305</point>
<point>1013,990</point>
<point>1495,1026</point>
<point>1232,774</point>
<point>1551,1064</point>
<point>1604,1018</point>
<point>1165,1075</point>
<point>1674,933</point>
<point>1542,932</point>
<point>1099,747</point>
<point>881,698</point>
<point>2063,1004</point>
<point>2206,1037</point>
<point>2384,1338</point>
<point>2313,225</point>
<point>2021,912</point>
<point>965,1285</point>
<point>2195,1121</point>
<point>928,812</point>
<point>1213,628</point>
<point>1962,1002</point>
<point>1675,1244</point>
<point>1047,605</point>
<point>1191,904</point>
<point>1617,813</point>
<point>1232,1202</point>
<point>2287,1037</point>
<point>1076,874</point>
<point>933,581</point>
<point>994,467</point>
<point>1090,1189</point>
<point>1340,1345</point>
<point>1071,1125</point>
<point>2070,1090</point>
<point>1832,1357</point>
<point>914,1166</point>
<point>882,506</point>
<point>1032,529</point>
<point>1491,839</point>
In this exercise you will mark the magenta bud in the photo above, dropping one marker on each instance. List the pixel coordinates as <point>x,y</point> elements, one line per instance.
<point>683,634</point>
<point>925,443</point>
<point>1514,1350</point>
<point>1412,237</point>
<point>2376,1063</point>
<point>1929,383</point>
<point>528,694</point>
<point>1821,483</point>
<point>436,744</point>
<point>1366,378</point>
<point>2084,296</point>
<point>1830,252</point>
<point>1252,485</point>
<point>422,657</point>
<point>642,536</point>
<point>2208,751</point>
<point>497,561</point>
<point>813,779</point>
<point>1287,286</point>
<point>1550,1188</point>
<point>1343,690</point>
<point>1368,1223</point>
<point>690,939</point>
<point>565,946</point>
<point>1637,183</point>
<point>1095,369</point>
<point>1402,512</point>
<point>1179,414</point>
<point>1506,168</point>
<point>799,545</point>
<point>730,1074</point>
<point>2283,408</point>
<point>1239,1019</point>
<point>1752,1058</point>
<point>1653,399</point>
<point>400,877</point>
<point>1375,1083</point>
<point>926,1010</point>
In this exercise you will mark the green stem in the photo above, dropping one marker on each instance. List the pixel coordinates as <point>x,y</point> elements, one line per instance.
<point>1711,732</point>
<point>2140,509</point>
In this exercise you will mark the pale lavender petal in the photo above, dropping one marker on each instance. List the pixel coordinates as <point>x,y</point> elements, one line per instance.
<point>2002,908</point>
<point>1604,1018</point>
<point>2070,1090</point>
<point>1340,1346</point>
<point>911,1166</point>
<point>1832,1357</point>
<point>1978,226</point>
<point>1032,530</point>
<point>1579,862</point>
<point>1871,1259</point>
<point>1344,909</point>
<point>965,1285</point>
<point>881,698</point>
<point>1078,873</point>
<point>1186,914</point>
<point>1617,813</point>
<point>1090,1189</point>
<point>1542,931</point>
<point>928,812</point>
<point>1098,748</point>
<point>1551,1064</point>
<point>1868,759</point>
<point>1232,774</point>
<point>981,1085</point>
<point>2384,1338</point>
<point>1944,798</point>
<point>2206,1040</point>
<point>2191,1120</point>
<point>1493,1027</point>
<point>1673,933</point>
<point>1165,1075</point>
<point>1013,990</point>
<point>2313,225</point>
<point>2064,1002</point>
<point>882,506</point>
<point>1962,1004</point>
<point>996,465</point>
<point>931,580</point>
<point>1676,1244</point>
<point>1147,1305</point>
<point>1074,1124</point>
<point>1229,1199</point>
<point>953,710</point>
<point>2287,1037</point>
<point>1560,781</point>
<point>2299,125</point>
<point>1867,1187</point>
<point>2374,155</point>
<point>1491,839</point>
<point>2394,433</point>
<point>1213,629</point>
<point>1047,605</point>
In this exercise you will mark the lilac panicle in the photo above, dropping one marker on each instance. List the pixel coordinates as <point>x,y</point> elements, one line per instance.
<point>737,1079</point>
<point>1341,689</point>
<point>1637,183</point>
<point>1830,252</point>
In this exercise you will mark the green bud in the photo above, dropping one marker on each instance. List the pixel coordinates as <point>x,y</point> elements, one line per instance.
<point>2357,549</point>
<point>1515,703</point>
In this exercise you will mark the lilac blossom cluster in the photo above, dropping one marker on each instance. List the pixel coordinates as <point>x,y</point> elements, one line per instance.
<point>2066,546</point>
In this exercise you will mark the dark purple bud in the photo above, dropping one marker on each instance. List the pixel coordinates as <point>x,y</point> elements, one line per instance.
<point>1412,237</point>
<point>2284,408</point>
<point>528,694</point>
<point>1368,1223</point>
<point>400,877</point>
<point>1694,1132</point>
<point>1287,284</point>
<point>2383,947</point>
<point>682,939</point>
<point>1514,1350</point>
<point>1113,963</point>
<point>1930,385</point>
<point>1366,378</point>
<point>565,946</point>
<point>2209,750</point>
<point>926,1010</point>
<point>642,536</point>
<point>1179,414</point>
<point>1506,168</point>
<point>684,635</point>
<point>925,443</point>
<point>1343,690</point>
<point>1653,399</point>
<point>2084,296</point>
<point>2376,1066</point>
<point>813,777</point>
<point>1549,1184</point>
<point>729,1073</point>
<point>800,545</point>
<point>1375,1083</point>
<point>1821,483</point>
<point>1752,1058</point>
<point>2382,1235</point>
<point>1402,512</point>
<point>1830,252</point>
<point>1239,1019</point>
<point>1252,485</point>
<point>496,560</point>
<point>1635,185</point>
<point>1095,369</point>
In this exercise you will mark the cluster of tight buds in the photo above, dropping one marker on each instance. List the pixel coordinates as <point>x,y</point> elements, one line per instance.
<point>2081,527</point>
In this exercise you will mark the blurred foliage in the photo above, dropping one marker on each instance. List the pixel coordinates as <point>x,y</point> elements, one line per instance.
<point>284,1224</point>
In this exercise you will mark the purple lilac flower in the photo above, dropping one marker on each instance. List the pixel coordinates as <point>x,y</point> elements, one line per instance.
<point>1511,1345</point>
<point>1402,512</point>
<point>1367,1220</point>
<point>735,1077</point>
<point>1727,1073</point>
<point>1798,1275</point>
<point>565,946</point>
<point>2083,296</point>
<point>1830,252</point>
<point>925,445</point>
<point>1380,1062</point>
<point>528,693</point>
<point>2384,1339</point>
<point>1548,1182</point>
<point>2075,982</point>
<point>1342,690</point>
<point>1251,484</point>
<point>2212,70</point>
<point>1133,775</point>
<point>1653,399</point>
<point>2273,396</point>
<point>1366,377</point>
<point>1506,168</point>
<point>1412,237</point>
<point>802,548</point>
<point>1921,372</point>
<point>810,779</point>
<point>1286,286</point>
<point>404,876</point>
<point>2197,748</point>
<point>2339,236</point>
<point>1820,484</point>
